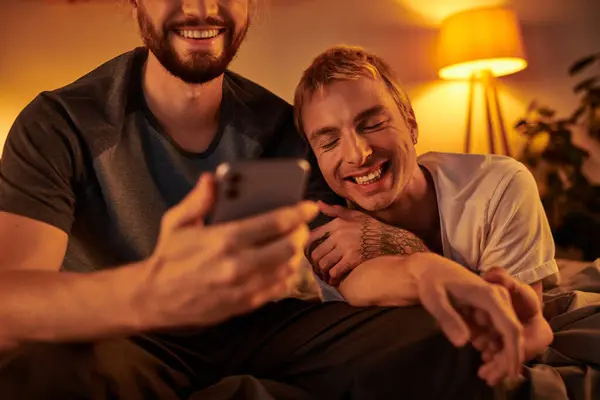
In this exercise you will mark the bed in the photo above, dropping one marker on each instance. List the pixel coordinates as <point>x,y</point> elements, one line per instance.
<point>570,368</point>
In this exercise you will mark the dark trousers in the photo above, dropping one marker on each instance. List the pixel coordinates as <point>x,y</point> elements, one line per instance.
<point>292,349</point>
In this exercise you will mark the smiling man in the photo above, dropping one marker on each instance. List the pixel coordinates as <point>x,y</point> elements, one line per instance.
<point>480,211</point>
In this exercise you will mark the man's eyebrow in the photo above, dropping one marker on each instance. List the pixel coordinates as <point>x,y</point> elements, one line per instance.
<point>331,130</point>
<point>369,112</point>
<point>326,130</point>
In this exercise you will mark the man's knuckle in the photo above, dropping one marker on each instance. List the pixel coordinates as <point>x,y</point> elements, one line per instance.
<point>502,293</point>
<point>323,263</point>
<point>280,223</point>
<point>289,248</point>
<point>229,270</point>
<point>486,291</point>
<point>227,243</point>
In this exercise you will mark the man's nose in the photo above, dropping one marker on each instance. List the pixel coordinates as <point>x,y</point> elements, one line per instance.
<point>356,150</point>
<point>201,8</point>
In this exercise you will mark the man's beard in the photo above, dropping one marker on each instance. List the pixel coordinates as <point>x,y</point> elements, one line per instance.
<point>196,67</point>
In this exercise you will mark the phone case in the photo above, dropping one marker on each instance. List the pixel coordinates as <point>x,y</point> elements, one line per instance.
<point>248,188</point>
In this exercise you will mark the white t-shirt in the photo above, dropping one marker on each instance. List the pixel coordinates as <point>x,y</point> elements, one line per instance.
<point>490,215</point>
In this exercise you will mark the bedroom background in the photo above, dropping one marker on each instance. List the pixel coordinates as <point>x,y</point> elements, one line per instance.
<point>52,42</point>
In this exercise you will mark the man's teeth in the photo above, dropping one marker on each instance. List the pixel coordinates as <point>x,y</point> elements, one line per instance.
<point>199,34</point>
<point>374,176</point>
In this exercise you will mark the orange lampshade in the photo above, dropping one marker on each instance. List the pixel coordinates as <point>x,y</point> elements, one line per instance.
<point>478,40</point>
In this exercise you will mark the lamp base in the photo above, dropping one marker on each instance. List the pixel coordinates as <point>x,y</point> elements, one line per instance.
<point>492,106</point>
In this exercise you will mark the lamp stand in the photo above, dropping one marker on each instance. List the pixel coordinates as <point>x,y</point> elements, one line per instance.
<point>492,106</point>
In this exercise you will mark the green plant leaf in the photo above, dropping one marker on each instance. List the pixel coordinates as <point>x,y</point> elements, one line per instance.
<point>542,127</point>
<point>574,118</point>
<point>532,106</point>
<point>586,84</point>
<point>520,123</point>
<point>582,63</point>
<point>593,97</point>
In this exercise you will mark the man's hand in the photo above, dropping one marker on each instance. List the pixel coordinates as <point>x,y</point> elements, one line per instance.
<point>201,275</point>
<point>353,237</point>
<point>537,332</point>
<point>446,288</point>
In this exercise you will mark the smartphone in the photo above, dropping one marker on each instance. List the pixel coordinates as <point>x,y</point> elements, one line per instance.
<point>248,188</point>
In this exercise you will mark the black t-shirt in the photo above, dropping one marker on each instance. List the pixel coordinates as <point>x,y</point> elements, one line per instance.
<point>91,160</point>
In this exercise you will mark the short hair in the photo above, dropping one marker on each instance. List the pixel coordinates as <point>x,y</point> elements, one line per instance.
<point>343,63</point>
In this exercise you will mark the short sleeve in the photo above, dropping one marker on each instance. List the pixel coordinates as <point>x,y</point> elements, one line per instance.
<point>519,236</point>
<point>37,166</point>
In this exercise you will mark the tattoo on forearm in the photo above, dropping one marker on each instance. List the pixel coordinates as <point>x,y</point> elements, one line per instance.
<point>378,239</point>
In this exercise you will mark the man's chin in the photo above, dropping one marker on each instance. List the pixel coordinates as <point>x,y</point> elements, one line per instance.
<point>372,204</point>
<point>196,73</point>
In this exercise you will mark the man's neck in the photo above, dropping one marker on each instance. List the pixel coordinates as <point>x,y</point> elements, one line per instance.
<point>417,209</point>
<point>188,113</point>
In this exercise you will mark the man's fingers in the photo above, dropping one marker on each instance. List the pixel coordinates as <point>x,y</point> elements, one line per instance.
<point>327,262</point>
<point>480,342</point>
<point>334,211</point>
<point>195,206</point>
<point>499,276</point>
<point>492,372</point>
<point>340,270</point>
<point>495,300</point>
<point>481,318</point>
<point>319,233</point>
<point>270,226</point>
<point>487,356</point>
<point>256,291</point>
<point>322,249</point>
<point>523,297</point>
<point>435,300</point>
<point>262,261</point>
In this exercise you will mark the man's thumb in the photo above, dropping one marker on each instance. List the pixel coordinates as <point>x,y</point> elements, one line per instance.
<point>334,211</point>
<point>197,204</point>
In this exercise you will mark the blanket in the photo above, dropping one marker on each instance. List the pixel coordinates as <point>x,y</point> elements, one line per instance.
<point>570,368</point>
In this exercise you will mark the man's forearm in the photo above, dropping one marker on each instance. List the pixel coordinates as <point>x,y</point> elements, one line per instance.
<point>52,306</point>
<point>385,281</point>
<point>379,239</point>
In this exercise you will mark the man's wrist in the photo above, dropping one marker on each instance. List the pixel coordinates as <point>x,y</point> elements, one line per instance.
<point>143,310</point>
<point>420,265</point>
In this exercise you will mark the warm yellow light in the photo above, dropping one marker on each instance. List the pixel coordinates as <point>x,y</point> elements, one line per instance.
<point>481,39</point>
<point>497,66</point>
<point>433,12</point>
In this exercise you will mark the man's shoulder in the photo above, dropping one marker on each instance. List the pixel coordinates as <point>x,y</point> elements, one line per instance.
<point>263,115</point>
<point>100,96</point>
<point>259,105</point>
<point>481,174</point>
<point>254,95</point>
<point>461,166</point>
<point>88,105</point>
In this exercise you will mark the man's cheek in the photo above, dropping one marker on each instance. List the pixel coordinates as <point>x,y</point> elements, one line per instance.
<point>328,172</point>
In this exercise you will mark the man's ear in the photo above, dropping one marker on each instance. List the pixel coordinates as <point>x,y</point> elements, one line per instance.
<point>415,136</point>
<point>413,126</point>
<point>134,7</point>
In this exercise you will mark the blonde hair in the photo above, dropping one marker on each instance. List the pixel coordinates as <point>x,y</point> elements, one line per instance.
<point>343,63</point>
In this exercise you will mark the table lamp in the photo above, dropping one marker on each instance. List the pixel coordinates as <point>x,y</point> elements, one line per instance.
<point>481,45</point>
